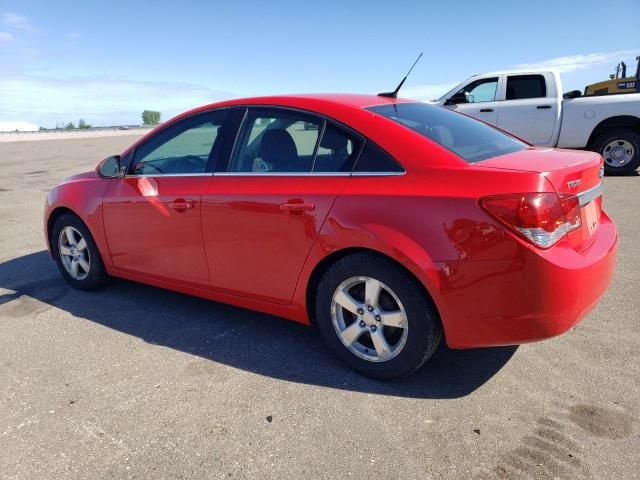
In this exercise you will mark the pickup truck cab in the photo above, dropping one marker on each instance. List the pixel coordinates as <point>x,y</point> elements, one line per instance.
<point>530,105</point>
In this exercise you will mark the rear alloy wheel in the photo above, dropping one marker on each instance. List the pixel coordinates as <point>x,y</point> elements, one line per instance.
<point>620,150</point>
<point>369,319</point>
<point>376,316</point>
<point>76,253</point>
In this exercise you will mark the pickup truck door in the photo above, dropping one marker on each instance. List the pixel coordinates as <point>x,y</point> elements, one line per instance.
<point>531,109</point>
<point>478,99</point>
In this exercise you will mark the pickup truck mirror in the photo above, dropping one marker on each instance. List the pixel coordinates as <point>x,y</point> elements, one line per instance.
<point>460,97</point>
<point>572,94</point>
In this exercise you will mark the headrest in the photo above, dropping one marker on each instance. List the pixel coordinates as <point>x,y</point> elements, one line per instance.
<point>333,139</point>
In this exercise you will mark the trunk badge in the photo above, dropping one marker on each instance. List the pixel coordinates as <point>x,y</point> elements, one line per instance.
<point>574,183</point>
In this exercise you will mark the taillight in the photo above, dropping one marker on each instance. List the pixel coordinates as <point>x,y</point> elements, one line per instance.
<point>542,218</point>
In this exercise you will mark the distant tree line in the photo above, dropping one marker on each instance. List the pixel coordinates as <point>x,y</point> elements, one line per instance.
<point>150,117</point>
<point>82,125</point>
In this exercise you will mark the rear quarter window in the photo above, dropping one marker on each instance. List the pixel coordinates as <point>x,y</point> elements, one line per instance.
<point>470,139</point>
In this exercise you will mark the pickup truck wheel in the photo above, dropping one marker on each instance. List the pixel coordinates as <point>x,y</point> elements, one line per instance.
<point>620,149</point>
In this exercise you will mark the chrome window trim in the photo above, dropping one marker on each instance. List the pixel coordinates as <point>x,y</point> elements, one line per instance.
<point>165,175</point>
<point>282,174</point>
<point>309,174</point>
<point>591,194</point>
<point>379,174</point>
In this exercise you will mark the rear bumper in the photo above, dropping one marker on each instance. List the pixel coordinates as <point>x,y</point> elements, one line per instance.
<point>536,295</point>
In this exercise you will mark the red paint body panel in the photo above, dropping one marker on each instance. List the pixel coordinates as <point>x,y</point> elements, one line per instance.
<point>149,234</point>
<point>253,247</point>
<point>235,244</point>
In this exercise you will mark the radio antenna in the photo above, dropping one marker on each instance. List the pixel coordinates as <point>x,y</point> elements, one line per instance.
<point>394,94</point>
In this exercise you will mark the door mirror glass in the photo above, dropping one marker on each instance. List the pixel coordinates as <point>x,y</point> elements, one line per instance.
<point>110,167</point>
<point>460,97</point>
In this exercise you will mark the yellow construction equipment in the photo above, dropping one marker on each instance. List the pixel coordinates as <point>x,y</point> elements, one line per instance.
<point>617,83</point>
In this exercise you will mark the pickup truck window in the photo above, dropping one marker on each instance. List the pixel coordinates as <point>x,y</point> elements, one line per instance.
<point>483,90</point>
<point>520,87</point>
<point>471,140</point>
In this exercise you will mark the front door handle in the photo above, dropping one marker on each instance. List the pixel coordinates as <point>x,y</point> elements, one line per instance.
<point>181,205</point>
<point>297,208</point>
<point>486,109</point>
<point>543,107</point>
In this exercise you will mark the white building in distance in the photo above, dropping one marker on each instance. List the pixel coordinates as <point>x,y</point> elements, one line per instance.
<point>12,126</point>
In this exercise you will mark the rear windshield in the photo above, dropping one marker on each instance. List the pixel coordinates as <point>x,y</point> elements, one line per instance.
<point>470,139</point>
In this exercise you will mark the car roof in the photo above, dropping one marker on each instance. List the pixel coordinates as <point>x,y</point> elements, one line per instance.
<point>345,99</point>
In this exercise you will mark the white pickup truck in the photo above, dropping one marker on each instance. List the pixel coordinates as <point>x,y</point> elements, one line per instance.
<point>530,105</point>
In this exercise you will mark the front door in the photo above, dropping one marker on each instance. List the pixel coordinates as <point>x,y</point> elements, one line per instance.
<point>478,99</point>
<point>262,214</point>
<point>152,216</point>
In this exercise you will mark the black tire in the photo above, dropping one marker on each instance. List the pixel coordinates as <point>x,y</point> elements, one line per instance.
<point>97,276</point>
<point>424,330</point>
<point>622,134</point>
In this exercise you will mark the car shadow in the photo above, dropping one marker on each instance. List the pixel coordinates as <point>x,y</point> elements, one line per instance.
<point>251,341</point>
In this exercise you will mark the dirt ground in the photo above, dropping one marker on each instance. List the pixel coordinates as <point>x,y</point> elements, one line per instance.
<point>136,382</point>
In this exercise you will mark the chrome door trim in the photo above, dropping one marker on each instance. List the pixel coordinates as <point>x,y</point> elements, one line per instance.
<point>165,175</point>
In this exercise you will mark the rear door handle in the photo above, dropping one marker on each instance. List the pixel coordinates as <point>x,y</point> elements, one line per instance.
<point>543,107</point>
<point>293,208</point>
<point>486,109</point>
<point>181,205</point>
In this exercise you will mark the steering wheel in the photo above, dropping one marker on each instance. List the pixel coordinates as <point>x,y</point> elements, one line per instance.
<point>192,163</point>
<point>149,164</point>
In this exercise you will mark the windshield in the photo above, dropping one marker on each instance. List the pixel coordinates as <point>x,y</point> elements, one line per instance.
<point>470,139</point>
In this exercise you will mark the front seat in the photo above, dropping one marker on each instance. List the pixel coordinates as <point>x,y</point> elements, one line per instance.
<point>278,149</point>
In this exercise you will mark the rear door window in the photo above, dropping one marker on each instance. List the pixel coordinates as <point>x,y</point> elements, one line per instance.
<point>274,140</point>
<point>520,87</point>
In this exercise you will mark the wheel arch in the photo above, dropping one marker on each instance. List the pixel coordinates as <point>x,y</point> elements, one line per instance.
<point>323,265</point>
<point>621,121</point>
<point>54,215</point>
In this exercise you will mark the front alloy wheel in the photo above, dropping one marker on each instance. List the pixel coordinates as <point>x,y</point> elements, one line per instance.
<point>74,253</point>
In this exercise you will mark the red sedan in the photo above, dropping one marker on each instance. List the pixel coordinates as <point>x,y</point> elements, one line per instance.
<point>388,223</point>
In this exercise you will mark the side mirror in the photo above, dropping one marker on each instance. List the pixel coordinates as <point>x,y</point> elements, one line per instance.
<point>572,94</point>
<point>110,167</point>
<point>460,97</point>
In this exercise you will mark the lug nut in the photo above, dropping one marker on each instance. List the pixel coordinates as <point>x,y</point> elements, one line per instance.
<point>373,328</point>
<point>362,324</point>
<point>370,308</point>
<point>360,311</point>
<point>378,319</point>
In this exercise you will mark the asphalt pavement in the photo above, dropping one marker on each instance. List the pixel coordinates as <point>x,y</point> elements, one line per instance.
<point>137,382</point>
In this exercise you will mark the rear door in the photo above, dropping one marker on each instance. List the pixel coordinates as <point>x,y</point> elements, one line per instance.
<point>530,109</point>
<point>262,212</point>
<point>152,215</point>
<point>478,99</point>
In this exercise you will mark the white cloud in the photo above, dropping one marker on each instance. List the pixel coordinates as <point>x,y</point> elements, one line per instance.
<point>16,21</point>
<point>426,92</point>
<point>573,63</point>
<point>6,37</point>
<point>100,101</point>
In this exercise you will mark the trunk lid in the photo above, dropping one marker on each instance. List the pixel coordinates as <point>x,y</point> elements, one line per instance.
<point>570,172</point>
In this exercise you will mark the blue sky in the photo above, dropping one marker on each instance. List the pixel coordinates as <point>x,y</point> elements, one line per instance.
<point>107,61</point>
